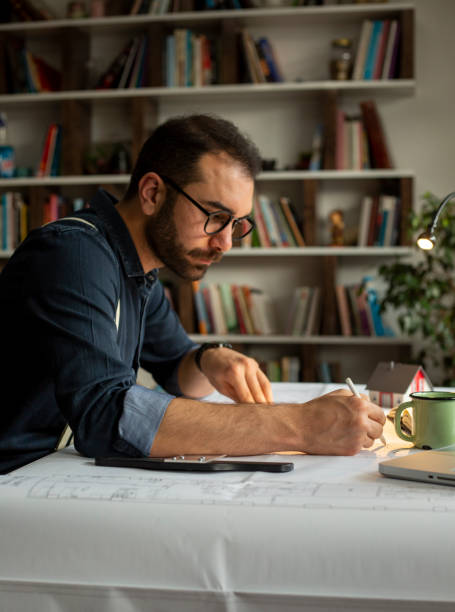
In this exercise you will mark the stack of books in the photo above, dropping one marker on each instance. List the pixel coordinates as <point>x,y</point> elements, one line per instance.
<point>380,220</point>
<point>285,369</point>
<point>359,310</point>
<point>14,220</point>
<point>304,316</point>
<point>25,72</point>
<point>223,309</point>
<point>260,60</point>
<point>354,142</point>
<point>377,51</point>
<point>128,68</point>
<point>50,158</point>
<point>277,224</point>
<point>190,59</point>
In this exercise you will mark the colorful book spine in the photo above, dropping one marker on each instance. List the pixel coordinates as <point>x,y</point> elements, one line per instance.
<point>372,50</point>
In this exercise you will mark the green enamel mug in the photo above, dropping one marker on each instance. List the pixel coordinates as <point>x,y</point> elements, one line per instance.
<point>433,418</point>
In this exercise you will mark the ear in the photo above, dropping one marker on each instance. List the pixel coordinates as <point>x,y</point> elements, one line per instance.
<point>151,191</point>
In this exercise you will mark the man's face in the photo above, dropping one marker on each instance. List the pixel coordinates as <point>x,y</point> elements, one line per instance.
<point>176,234</point>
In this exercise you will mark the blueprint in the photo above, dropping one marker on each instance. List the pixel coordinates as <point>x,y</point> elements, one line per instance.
<point>316,482</point>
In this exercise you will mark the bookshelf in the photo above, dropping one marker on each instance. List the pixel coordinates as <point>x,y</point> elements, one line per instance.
<point>79,108</point>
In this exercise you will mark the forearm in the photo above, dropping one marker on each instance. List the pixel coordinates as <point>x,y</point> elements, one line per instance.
<point>193,427</point>
<point>192,382</point>
<point>335,424</point>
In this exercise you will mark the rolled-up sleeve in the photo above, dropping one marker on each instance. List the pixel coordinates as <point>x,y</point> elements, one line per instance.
<point>143,411</point>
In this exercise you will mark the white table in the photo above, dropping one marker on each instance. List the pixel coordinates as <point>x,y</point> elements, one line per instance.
<point>333,534</point>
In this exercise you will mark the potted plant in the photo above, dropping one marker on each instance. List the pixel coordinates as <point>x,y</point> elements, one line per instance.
<point>423,292</point>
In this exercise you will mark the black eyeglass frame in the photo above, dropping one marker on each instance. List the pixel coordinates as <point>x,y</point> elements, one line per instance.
<point>230,218</point>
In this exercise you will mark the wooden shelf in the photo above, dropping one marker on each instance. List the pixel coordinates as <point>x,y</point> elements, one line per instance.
<point>246,90</point>
<point>260,16</point>
<point>285,175</point>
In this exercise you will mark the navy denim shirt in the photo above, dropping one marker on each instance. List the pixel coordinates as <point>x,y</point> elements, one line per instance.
<point>65,360</point>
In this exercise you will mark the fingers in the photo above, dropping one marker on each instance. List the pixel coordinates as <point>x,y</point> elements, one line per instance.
<point>244,382</point>
<point>254,386</point>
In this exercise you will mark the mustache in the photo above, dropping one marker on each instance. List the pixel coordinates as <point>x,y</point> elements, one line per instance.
<point>212,255</point>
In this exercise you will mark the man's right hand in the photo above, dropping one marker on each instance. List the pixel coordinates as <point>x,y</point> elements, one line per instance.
<point>339,423</point>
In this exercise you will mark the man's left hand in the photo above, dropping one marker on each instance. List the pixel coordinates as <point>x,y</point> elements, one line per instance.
<point>236,376</point>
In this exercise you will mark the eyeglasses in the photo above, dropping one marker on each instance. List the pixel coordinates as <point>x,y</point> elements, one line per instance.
<point>216,221</point>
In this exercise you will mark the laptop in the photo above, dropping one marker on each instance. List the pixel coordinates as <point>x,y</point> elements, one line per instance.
<point>431,466</point>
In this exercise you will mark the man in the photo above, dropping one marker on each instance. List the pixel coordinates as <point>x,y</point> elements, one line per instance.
<point>82,309</point>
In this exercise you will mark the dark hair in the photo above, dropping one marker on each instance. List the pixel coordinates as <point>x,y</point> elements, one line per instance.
<point>175,148</point>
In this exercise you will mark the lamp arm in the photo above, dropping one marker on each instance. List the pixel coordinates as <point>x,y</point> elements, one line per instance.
<point>432,227</point>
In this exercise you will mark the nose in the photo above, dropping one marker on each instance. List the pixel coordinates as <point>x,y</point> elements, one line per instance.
<point>222,241</point>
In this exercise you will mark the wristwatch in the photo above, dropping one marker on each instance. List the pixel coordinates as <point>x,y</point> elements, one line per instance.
<point>205,347</point>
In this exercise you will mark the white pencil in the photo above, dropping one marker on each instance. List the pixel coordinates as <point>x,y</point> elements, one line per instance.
<point>354,391</point>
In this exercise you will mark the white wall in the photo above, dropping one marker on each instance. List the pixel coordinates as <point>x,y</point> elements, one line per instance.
<point>422,128</point>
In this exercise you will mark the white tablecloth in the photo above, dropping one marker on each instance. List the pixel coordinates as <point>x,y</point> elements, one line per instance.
<point>333,534</point>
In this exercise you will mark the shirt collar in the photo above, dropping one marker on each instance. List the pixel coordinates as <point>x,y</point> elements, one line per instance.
<point>104,205</point>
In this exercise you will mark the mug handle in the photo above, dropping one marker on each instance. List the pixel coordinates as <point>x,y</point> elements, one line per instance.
<point>398,429</point>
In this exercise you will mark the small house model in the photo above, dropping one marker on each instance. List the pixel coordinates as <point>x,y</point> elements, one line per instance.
<point>391,383</point>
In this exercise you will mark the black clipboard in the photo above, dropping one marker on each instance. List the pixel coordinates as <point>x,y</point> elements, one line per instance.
<point>200,464</point>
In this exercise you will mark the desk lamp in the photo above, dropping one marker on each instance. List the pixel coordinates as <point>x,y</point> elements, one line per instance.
<point>427,239</point>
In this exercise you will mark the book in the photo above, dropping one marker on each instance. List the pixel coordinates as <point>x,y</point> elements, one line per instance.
<point>374,307</point>
<point>274,71</point>
<point>314,313</point>
<point>45,153</point>
<point>219,322</point>
<point>54,169</point>
<point>127,69</point>
<point>356,324</point>
<point>362,48</point>
<point>136,78</point>
<point>287,239</point>
<point>355,143</point>
<point>254,70</point>
<point>301,312</point>
<point>238,309</point>
<point>285,205</point>
<point>110,77</point>
<point>269,219</point>
<point>391,52</point>
<point>343,310</point>
<point>262,312</point>
<point>47,77</point>
<point>372,49</point>
<point>201,310</point>
<point>366,206</point>
<point>330,125</point>
<point>340,144</point>
<point>228,307</point>
<point>170,61</point>
<point>375,221</point>
<point>387,204</point>
<point>316,148</point>
<point>261,228</point>
<point>376,136</point>
<point>382,45</point>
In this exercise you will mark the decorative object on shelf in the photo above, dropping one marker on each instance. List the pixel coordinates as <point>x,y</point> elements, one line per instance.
<point>268,165</point>
<point>341,59</point>
<point>107,158</point>
<point>76,10</point>
<point>336,219</point>
<point>423,293</point>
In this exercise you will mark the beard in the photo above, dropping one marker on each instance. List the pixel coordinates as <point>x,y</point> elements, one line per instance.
<point>162,238</point>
